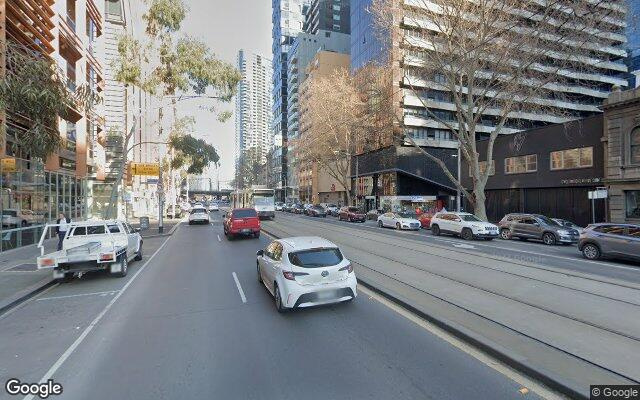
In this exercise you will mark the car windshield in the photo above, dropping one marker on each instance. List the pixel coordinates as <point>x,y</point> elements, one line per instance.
<point>198,211</point>
<point>262,201</point>
<point>470,218</point>
<point>320,208</point>
<point>354,209</point>
<point>244,213</point>
<point>316,258</point>
<point>9,213</point>
<point>407,214</point>
<point>548,221</point>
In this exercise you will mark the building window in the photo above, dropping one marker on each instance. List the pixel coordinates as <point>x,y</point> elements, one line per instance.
<point>483,166</point>
<point>572,158</point>
<point>336,27</point>
<point>336,17</point>
<point>521,164</point>
<point>632,203</point>
<point>634,146</point>
<point>67,164</point>
<point>113,8</point>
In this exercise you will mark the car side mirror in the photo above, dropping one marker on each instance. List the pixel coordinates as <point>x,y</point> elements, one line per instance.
<point>137,230</point>
<point>260,253</point>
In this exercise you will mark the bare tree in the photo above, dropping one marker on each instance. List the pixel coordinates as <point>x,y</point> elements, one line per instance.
<point>497,62</point>
<point>249,169</point>
<point>329,125</point>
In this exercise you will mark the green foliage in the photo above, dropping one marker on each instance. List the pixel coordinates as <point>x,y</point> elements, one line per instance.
<point>250,168</point>
<point>224,116</point>
<point>195,154</point>
<point>34,93</point>
<point>165,16</point>
<point>127,66</point>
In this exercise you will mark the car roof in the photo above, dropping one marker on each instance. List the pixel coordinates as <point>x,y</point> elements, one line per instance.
<point>306,242</point>
<point>613,223</point>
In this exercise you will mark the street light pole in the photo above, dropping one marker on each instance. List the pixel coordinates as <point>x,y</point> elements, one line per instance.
<point>458,198</point>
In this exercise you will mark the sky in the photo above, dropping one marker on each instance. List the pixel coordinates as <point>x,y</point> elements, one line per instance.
<point>226,26</point>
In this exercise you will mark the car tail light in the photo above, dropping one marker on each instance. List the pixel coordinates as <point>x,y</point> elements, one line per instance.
<point>106,257</point>
<point>47,262</point>
<point>348,268</point>
<point>292,275</point>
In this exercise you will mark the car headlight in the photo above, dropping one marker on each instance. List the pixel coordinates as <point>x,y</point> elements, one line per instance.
<point>563,232</point>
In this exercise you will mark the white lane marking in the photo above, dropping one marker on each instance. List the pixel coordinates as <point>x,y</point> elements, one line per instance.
<point>489,361</point>
<point>79,295</point>
<point>219,240</point>
<point>464,246</point>
<point>235,278</point>
<point>20,306</point>
<point>93,324</point>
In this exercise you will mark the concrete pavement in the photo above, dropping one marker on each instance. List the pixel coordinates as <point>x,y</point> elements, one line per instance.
<point>180,329</point>
<point>571,314</point>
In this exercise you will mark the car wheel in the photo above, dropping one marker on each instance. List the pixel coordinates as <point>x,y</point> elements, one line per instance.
<point>124,267</point>
<point>278,299</point>
<point>549,238</point>
<point>380,224</point>
<point>139,254</point>
<point>435,229</point>
<point>258,269</point>
<point>467,234</point>
<point>591,252</point>
<point>505,234</point>
<point>256,235</point>
<point>23,223</point>
<point>190,223</point>
<point>398,227</point>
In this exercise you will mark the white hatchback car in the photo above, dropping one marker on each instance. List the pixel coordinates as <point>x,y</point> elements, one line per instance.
<point>466,225</point>
<point>305,271</point>
<point>399,220</point>
<point>199,215</point>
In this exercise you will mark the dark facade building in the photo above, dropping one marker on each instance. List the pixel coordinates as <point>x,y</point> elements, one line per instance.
<point>328,15</point>
<point>547,170</point>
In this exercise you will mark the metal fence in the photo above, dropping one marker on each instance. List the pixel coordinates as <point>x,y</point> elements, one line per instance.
<point>19,237</point>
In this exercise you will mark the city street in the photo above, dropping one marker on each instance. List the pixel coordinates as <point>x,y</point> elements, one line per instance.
<point>191,321</point>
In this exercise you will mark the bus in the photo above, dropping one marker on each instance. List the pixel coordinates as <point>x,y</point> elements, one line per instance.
<point>262,199</point>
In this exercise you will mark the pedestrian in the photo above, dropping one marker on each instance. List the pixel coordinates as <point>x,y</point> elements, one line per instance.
<point>61,228</point>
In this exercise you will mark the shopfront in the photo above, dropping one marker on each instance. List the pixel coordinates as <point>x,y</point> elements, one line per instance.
<point>31,197</point>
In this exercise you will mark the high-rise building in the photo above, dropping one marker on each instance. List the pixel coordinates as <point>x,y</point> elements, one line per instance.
<point>70,34</point>
<point>253,104</point>
<point>328,15</point>
<point>407,175</point>
<point>304,49</point>
<point>633,42</point>
<point>287,22</point>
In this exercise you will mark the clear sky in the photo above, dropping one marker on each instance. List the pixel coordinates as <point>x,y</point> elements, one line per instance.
<point>226,26</point>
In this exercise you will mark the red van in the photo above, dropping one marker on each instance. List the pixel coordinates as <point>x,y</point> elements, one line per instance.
<point>241,221</point>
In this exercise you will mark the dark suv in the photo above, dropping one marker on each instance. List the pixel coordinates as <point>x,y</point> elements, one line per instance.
<point>538,227</point>
<point>610,240</point>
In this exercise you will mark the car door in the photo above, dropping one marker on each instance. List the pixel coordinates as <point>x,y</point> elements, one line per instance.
<point>275,262</point>
<point>134,239</point>
<point>612,239</point>
<point>524,226</point>
<point>455,224</point>
<point>633,242</point>
<point>387,219</point>
<point>444,222</point>
<point>132,242</point>
<point>264,262</point>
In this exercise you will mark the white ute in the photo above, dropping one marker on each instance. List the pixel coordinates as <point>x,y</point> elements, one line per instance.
<point>93,246</point>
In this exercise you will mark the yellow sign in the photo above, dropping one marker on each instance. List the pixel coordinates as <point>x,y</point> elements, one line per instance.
<point>145,169</point>
<point>8,165</point>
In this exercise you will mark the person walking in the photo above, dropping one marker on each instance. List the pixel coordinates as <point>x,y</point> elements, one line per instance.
<point>63,225</point>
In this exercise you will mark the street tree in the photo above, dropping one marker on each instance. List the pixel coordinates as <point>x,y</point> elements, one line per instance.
<point>249,168</point>
<point>330,125</point>
<point>495,62</point>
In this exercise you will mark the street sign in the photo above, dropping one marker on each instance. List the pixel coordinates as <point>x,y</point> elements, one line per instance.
<point>8,165</point>
<point>145,169</point>
<point>144,223</point>
<point>152,181</point>
<point>598,194</point>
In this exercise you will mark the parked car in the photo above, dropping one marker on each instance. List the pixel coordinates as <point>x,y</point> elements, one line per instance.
<point>607,240</point>
<point>306,208</point>
<point>178,211</point>
<point>297,209</point>
<point>425,219</point>
<point>568,224</point>
<point>16,218</point>
<point>465,225</point>
<point>213,207</point>
<point>372,215</point>
<point>279,206</point>
<point>241,221</point>
<point>351,214</point>
<point>399,220</point>
<point>332,209</point>
<point>537,227</point>
<point>317,211</point>
<point>304,272</point>
<point>199,215</point>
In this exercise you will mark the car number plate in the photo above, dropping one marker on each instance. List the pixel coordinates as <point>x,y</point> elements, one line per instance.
<point>325,295</point>
<point>246,230</point>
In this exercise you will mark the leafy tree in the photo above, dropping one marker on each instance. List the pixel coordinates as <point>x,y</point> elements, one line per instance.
<point>249,168</point>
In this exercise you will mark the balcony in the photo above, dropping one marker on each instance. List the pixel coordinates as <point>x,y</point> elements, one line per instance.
<point>71,23</point>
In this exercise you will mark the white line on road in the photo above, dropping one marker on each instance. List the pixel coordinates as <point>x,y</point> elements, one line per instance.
<point>78,295</point>
<point>93,323</point>
<point>491,362</point>
<point>464,246</point>
<point>235,278</point>
<point>219,240</point>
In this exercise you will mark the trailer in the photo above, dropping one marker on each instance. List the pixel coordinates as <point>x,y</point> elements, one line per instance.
<point>92,246</point>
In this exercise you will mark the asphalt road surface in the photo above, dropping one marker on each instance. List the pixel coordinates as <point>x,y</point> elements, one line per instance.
<point>192,321</point>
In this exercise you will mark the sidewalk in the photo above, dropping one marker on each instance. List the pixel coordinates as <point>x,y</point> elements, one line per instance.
<point>20,279</point>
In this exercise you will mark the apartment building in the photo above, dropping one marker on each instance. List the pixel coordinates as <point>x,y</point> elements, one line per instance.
<point>397,174</point>
<point>328,15</point>
<point>253,113</point>
<point>70,33</point>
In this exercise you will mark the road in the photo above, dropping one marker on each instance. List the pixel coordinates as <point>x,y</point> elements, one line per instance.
<point>561,256</point>
<point>181,325</point>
